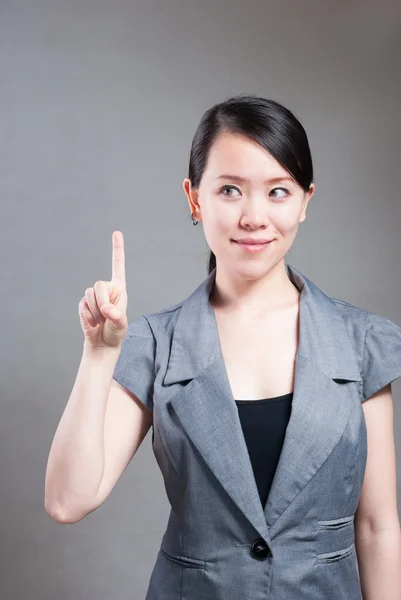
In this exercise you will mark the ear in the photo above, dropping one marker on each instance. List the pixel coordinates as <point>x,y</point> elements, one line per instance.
<point>192,197</point>
<point>308,195</point>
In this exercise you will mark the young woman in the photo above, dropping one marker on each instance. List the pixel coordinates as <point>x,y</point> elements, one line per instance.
<point>255,387</point>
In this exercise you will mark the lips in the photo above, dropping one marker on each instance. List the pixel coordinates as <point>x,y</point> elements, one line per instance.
<point>252,245</point>
<point>252,241</point>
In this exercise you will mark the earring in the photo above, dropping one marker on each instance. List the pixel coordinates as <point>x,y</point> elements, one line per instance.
<point>194,221</point>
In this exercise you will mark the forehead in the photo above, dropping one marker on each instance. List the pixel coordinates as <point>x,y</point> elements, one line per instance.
<point>236,153</point>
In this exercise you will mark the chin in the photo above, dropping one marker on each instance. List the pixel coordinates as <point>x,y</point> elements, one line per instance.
<point>250,269</point>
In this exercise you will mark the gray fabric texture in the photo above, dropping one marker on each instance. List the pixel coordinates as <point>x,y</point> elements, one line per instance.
<point>172,361</point>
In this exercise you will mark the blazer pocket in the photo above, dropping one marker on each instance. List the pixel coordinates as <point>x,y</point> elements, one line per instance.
<point>337,555</point>
<point>337,523</point>
<point>183,561</point>
<point>336,539</point>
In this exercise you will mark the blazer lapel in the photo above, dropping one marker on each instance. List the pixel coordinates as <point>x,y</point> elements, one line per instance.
<point>206,408</point>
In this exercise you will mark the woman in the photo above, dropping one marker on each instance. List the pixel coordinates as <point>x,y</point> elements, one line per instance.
<point>255,386</point>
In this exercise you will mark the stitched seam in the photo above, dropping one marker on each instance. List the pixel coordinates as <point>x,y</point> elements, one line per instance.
<point>345,303</point>
<point>364,353</point>
<point>146,337</point>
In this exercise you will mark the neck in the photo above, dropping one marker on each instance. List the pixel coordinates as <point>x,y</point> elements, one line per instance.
<point>272,293</point>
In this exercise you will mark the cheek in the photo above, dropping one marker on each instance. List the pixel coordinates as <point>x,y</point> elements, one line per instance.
<point>218,229</point>
<point>286,220</point>
<point>220,220</point>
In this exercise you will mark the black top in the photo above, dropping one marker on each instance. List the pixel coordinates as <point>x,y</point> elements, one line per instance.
<point>264,423</point>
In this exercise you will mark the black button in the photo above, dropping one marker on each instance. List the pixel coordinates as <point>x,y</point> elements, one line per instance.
<point>260,550</point>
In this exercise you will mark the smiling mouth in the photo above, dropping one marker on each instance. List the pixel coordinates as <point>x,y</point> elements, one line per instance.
<point>252,246</point>
<point>253,243</point>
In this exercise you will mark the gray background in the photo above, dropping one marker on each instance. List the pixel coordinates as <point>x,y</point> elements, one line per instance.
<point>99,102</point>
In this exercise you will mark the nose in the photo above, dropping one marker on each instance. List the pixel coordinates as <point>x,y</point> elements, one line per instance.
<point>255,214</point>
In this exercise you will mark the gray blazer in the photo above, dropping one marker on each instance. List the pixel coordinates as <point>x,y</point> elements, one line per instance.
<point>220,543</point>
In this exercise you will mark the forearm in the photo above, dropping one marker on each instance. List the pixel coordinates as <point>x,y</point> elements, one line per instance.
<point>76,460</point>
<point>379,563</point>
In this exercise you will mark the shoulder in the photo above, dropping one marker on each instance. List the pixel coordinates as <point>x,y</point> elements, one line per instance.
<point>163,320</point>
<point>354,317</point>
<point>377,343</point>
<point>155,324</point>
<point>363,323</point>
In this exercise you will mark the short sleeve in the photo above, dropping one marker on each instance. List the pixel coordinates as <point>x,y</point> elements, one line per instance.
<point>382,354</point>
<point>135,367</point>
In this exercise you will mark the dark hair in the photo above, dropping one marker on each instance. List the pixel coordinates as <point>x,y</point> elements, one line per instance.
<point>265,121</point>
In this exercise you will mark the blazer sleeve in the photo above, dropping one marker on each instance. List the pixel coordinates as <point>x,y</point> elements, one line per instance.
<point>135,367</point>
<point>382,354</point>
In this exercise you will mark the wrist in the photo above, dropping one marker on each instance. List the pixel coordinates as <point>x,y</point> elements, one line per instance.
<point>101,352</point>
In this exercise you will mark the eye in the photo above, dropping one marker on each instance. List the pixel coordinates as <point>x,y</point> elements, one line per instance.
<point>228,187</point>
<point>280,188</point>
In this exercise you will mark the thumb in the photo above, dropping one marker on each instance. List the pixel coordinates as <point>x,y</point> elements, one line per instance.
<point>111,312</point>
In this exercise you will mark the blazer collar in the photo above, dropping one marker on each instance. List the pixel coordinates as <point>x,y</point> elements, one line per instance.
<point>323,337</point>
<point>321,407</point>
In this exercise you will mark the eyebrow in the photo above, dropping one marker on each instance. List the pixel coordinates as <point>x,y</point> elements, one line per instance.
<point>245,179</point>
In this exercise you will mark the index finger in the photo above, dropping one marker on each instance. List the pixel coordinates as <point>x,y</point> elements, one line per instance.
<point>118,262</point>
